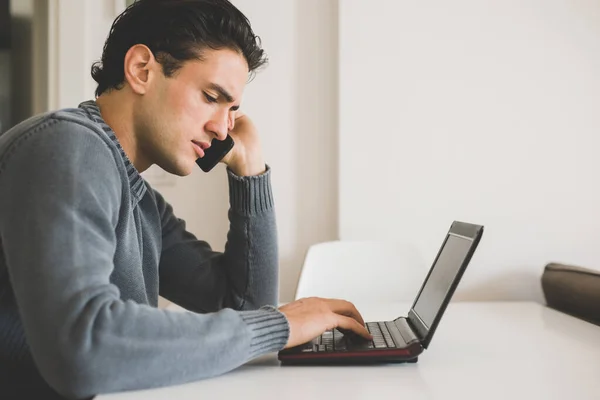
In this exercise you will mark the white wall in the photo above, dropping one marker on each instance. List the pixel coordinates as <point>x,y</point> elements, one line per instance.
<point>5,93</point>
<point>293,102</point>
<point>21,60</point>
<point>478,111</point>
<point>76,33</point>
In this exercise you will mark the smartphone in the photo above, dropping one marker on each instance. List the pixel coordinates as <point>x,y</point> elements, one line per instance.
<point>215,153</point>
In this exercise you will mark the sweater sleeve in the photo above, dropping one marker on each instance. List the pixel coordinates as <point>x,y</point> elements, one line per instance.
<point>245,276</point>
<point>59,208</point>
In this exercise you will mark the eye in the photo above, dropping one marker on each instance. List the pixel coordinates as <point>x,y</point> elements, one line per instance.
<point>209,98</point>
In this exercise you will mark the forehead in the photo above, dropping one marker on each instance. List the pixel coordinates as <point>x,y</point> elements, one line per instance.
<point>224,67</point>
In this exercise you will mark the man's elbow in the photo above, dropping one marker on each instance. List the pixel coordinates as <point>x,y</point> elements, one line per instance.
<point>74,378</point>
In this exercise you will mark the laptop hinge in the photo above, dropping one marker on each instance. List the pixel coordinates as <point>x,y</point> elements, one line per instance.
<point>406,331</point>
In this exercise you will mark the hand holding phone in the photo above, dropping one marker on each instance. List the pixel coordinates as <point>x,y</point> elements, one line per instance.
<point>246,159</point>
<point>215,153</point>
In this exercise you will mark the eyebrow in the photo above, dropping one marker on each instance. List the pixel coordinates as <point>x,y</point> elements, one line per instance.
<point>222,92</point>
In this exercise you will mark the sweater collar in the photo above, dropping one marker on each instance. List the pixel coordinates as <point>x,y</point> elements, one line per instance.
<point>136,182</point>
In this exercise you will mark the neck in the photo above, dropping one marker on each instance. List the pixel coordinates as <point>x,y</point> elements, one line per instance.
<point>117,112</point>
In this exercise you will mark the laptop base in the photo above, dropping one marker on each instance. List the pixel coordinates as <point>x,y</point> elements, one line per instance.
<point>407,354</point>
<point>344,362</point>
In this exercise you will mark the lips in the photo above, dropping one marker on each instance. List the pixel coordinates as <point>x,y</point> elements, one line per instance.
<point>199,147</point>
<point>203,145</point>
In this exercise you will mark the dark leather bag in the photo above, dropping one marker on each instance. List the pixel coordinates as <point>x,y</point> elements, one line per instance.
<point>573,290</point>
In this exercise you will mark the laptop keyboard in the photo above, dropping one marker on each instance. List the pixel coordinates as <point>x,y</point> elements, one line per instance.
<point>334,340</point>
<point>382,338</point>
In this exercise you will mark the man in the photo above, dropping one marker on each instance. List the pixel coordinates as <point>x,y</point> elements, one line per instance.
<point>87,246</point>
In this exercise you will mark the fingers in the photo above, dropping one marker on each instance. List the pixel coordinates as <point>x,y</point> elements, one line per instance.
<point>345,308</point>
<point>350,324</point>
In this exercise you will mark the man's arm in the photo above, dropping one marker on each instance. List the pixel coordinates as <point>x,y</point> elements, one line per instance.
<point>245,276</point>
<point>59,209</point>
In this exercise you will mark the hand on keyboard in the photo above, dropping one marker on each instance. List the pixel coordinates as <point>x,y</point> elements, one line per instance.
<point>310,317</point>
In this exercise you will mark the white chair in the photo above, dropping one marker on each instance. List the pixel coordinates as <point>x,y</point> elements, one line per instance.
<point>362,271</point>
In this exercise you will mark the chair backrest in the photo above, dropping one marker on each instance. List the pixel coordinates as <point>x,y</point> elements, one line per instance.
<point>362,271</point>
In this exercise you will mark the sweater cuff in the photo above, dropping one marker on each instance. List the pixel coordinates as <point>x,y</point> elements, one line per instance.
<point>269,328</point>
<point>250,195</point>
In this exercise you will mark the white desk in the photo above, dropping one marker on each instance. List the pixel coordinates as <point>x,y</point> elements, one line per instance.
<point>480,351</point>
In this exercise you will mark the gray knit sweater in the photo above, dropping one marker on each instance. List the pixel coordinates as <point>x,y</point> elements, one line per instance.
<point>87,246</point>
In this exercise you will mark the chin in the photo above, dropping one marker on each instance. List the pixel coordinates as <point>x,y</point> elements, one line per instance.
<point>180,169</point>
<point>184,170</point>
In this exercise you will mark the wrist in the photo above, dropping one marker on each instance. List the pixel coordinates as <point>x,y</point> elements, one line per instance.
<point>248,166</point>
<point>250,195</point>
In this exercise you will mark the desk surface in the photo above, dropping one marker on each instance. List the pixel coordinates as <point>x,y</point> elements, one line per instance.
<point>507,350</point>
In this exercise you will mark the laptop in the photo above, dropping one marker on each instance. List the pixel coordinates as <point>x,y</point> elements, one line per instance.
<point>405,338</point>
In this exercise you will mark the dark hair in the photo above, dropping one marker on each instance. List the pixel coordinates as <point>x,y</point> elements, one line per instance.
<point>175,31</point>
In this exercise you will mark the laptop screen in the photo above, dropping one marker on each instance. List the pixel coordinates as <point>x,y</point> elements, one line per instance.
<point>440,280</point>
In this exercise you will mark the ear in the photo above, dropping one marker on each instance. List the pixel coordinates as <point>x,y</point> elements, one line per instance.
<point>140,68</point>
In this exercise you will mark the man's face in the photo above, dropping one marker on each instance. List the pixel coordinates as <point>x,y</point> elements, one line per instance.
<point>182,114</point>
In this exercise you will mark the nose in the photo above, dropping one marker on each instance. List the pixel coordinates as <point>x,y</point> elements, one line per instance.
<point>220,124</point>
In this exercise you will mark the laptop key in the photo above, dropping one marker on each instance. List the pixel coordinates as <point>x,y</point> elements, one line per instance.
<point>398,339</point>
<point>372,327</point>
<point>386,334</point>
<point>339,345</point>
<point>339,342</point>
<point>389,341</point>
